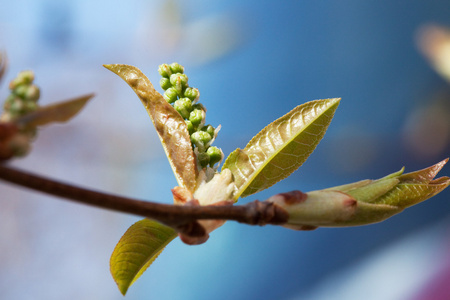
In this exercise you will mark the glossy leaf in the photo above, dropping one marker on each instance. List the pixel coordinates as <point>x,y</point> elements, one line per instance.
<point>169,124</point>
<point>137,249</point>
<point>281,147</point>
<point>59,112</point>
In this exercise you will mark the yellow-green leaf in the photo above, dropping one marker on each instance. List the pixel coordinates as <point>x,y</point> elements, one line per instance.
<point>59,112</point>
<point>416,187</point>
<point>169,124</point>
<point>137,249</point>
<point>281,147</point>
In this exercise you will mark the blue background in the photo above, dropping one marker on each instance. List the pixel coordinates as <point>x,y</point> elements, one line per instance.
<point>252,61</point>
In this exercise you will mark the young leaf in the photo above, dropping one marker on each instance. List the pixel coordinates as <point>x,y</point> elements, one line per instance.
<point>281,147</point>
<point>169,124</point>
<point>59,112</point>
<point>137,249</point>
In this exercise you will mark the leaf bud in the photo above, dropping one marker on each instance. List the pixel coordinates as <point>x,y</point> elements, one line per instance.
<point>215,155</point>
<point>176,68</point>
<point>192,93</point>
<point>164,70</point>
<point>165,83</point>
<point>200,139</point>
<point>197,116</point>
<point>184,107</point>
<point>171,95</point>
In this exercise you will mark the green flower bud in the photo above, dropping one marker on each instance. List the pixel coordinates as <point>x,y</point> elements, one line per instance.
<point>190,127</point>
<point>176,68</point>
<point>360,203</point>
<point>21,91</point>
<point>179,81</point>
<point>197,116</point>
<point>184,107</point>
<point>33,93</point>
<point>171,95</point>
<point>200,139</point>
<point>24,77</point>
<point>164,70</point>
<point>203,159</point>
<point>165,83</point>
<point>215,155</point>
<point>192,93</point>
<point>209,129</point>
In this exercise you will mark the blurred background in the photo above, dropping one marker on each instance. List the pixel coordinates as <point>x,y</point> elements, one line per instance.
<point>252,61</point>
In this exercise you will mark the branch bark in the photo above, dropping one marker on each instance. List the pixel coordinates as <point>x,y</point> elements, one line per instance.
<point>176,216</point>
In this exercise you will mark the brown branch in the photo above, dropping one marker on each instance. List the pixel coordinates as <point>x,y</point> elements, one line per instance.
<point>254,213</point>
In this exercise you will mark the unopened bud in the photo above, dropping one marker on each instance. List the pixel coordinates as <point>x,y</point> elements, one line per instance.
<point>192,93</point>
<point>176,68</point>
<point>210,130</point>
<point>183,106</point>
<point>200,139</point>
<point>215,155</point>
<point>197,116</point>
<point>165,83</point>
<point>171,95</point>
<point>164,70</point>
<point>179,81</point>
<point>24,77</point>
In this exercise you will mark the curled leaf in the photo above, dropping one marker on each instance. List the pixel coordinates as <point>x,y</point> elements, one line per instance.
<point>169,124</point>
<point>137,249</point>
<point>59,112</point>
<point>281,147</point>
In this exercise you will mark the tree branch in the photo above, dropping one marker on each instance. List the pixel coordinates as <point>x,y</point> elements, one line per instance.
<point>254,213</point>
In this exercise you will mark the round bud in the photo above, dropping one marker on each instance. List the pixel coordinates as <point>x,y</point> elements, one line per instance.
<point>200,139</point>
<point>197,116</point>
<point>203,159</point>
<point>33,93</point>
<point>209,129</point>
<point>176,68</point>
<point>190,127</point>
<point>192,93</point>
<point>171,95</point>
<point>179,81</point>
<point>164,70</point>
<point>215,155</point>
<point>165,83</point>
<point>184,107</point>
<point>24,77</point>
<point>21,91</point>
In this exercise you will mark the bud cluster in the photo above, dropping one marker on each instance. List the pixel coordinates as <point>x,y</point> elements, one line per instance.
<point>23,98</point>
<point>21,101</point>
<point>184,99</point>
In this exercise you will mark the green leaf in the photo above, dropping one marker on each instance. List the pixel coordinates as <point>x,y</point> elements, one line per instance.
<point>59,112</point>
<point>281,147</point>
<point>169,124</point>
<point>137,249</point>
<point>416,187</point>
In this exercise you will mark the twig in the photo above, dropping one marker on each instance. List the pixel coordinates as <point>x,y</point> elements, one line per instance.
<point>254,213</point>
